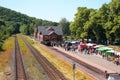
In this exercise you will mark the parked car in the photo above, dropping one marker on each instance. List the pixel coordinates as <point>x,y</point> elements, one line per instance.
<point>74,45</point>
<point>116,43</point>
<point>71,45</point>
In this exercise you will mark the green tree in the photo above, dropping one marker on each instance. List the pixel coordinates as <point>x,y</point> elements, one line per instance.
<point>81,19</point>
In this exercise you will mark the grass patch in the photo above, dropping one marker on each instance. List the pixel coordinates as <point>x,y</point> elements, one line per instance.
<point>6,53</point>
<point>21,44</point>
<point>28,39</point>
<point>32,68</point>
<point>9,44</point>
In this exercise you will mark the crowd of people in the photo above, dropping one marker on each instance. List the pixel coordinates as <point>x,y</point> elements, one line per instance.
<point>87,48</point>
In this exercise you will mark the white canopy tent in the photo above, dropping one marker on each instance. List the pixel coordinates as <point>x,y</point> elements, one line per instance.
<point>117,53</point>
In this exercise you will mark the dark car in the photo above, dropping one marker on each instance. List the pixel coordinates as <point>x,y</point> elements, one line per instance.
<point>74,45</point>
<point>116,43</point>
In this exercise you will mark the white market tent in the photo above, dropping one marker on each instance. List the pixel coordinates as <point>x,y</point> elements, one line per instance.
<point>117,53</point>
<point>97,46</point>
<point>89,44</point>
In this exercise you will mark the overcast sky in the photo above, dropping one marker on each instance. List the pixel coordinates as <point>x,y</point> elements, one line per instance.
<point>52,10</point>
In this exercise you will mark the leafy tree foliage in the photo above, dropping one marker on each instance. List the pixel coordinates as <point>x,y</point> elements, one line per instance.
<point>100,25</point>
<point>81,17</point>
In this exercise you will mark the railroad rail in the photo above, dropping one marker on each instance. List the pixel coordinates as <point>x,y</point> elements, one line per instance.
<point>20,73</point>
<point>51,71</point>
<point>91,67</point>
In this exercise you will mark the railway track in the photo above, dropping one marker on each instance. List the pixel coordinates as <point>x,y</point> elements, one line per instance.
<point>20,73</point>
<point>52,72</point>
<point>88,66</point>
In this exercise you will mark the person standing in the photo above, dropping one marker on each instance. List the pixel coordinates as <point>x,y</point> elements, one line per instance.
<point>117,60</point>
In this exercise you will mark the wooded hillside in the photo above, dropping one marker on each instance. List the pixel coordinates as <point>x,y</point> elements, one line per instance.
<point>12,22</point>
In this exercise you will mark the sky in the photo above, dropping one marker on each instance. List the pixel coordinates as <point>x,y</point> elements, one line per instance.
<point>51,10</point>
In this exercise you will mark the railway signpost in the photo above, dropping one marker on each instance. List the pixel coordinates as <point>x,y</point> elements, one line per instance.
<point>74,66</point>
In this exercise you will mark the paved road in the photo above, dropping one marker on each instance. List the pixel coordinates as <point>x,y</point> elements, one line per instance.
<point>95,60</point>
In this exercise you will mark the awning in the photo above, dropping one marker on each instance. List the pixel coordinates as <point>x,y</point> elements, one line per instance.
<point>110,52</point>
<point>104,48</point>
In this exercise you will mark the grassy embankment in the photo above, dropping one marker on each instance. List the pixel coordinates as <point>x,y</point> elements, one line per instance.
<point>6,53</point>
<point>60,64</point>
<point>30,63</point>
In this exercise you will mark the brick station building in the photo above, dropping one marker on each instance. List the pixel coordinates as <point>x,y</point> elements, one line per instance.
<point>48,33</point>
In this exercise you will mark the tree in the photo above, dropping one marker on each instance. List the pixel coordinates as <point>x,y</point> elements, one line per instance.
<point>81,19</point>
<point>65,26</point>
<point>24,29</point>
<point>100,25</point>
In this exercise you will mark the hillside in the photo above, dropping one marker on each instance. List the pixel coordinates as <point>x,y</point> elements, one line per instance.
<point>12,22</point>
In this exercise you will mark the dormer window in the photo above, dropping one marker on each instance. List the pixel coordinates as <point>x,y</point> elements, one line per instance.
<point>50,29</point>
